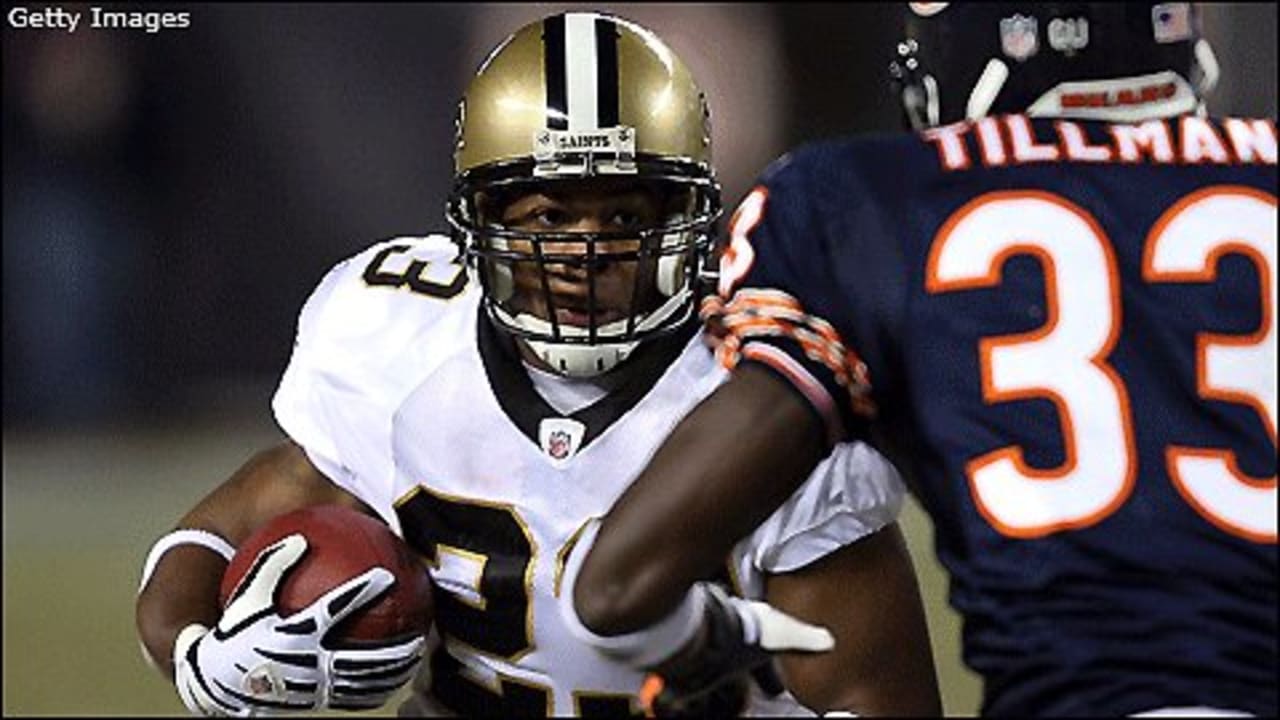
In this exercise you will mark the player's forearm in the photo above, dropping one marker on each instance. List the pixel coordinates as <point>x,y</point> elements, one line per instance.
<point>182,590</point>
<point>183,586</point>
<point>867,595</point>
<point>723,470</point>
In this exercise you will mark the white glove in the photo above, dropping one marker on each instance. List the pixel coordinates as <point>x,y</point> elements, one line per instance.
<point>256,662</point>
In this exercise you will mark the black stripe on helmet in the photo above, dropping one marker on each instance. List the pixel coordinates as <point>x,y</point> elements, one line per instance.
<point>553,59</point>
<point>606,73</point>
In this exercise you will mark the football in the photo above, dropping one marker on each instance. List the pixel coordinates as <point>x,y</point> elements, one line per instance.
<point>341,544</point>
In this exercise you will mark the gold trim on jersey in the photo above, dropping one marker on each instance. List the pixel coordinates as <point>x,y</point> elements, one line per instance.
<point>529,567</point>
<point>478,558</point>
<point>563,554</point>
<point>414,277</point>
<point>494,684</point>
<point>407,496</point>
<point>735,580</point>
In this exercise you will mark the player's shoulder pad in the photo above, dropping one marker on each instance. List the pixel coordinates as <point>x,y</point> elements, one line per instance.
<point>842,181</point>
<point>401,285</point>
<point>429,249</point>
<point>826,159</point>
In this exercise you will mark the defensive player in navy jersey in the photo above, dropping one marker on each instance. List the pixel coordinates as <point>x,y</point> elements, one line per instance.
<point>490,422</point>
<point>1060,323</point>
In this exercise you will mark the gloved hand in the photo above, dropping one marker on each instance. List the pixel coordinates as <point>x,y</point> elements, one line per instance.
<point>255,662</point>
<point>711,675</point>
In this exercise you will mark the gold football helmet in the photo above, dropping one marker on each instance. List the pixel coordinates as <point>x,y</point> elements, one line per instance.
<point>585,97</point>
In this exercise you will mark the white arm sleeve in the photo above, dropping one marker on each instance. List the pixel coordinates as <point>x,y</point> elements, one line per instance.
<point>360,349</point>
<point>853,493</point>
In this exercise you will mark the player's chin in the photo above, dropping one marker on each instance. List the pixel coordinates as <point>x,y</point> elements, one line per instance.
<point>582,319</point>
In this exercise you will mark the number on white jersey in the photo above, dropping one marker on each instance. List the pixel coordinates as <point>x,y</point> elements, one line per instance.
<point>392,267</point>
<point>492,616</point>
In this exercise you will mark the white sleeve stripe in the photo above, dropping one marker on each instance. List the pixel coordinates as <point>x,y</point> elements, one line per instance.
<point>802,380</point>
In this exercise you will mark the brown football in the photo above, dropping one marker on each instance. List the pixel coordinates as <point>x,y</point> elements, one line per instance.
<point>341,544</point>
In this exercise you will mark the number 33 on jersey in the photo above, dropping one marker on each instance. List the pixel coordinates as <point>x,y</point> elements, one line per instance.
<point>1065,360</point>
<point>1098,323</point>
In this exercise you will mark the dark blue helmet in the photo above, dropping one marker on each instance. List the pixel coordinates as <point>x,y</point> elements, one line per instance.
<point>1112,61</point>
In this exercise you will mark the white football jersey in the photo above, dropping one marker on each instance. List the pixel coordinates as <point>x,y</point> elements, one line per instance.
<point>492,485</point>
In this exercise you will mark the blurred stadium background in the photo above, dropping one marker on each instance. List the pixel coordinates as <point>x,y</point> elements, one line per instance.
<point>171,198</point>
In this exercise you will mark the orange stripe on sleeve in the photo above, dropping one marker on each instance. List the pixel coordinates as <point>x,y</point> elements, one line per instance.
<point>757,314</point>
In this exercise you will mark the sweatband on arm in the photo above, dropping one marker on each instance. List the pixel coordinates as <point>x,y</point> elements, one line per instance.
<point>185,536</point>
<point>640,649</point>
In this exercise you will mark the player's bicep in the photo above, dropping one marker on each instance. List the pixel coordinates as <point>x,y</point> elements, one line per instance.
<point>727,465</point>
<point>274,481</point>
<point>359,345</point>
<point>866,594</point>
<point>777,255</point>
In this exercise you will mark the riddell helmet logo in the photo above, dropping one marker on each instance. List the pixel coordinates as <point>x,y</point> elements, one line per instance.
<point>1018,39</point>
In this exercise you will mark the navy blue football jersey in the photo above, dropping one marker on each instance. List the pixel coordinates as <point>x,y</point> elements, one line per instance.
<point>1065,335</point>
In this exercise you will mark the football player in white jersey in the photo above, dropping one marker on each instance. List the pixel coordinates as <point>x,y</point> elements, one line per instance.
<point>490,395</point>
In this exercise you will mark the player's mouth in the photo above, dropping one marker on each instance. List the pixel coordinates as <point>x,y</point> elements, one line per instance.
<point>579,317</point>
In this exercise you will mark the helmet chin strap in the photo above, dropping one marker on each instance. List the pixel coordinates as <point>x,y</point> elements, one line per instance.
<point>581,360</point>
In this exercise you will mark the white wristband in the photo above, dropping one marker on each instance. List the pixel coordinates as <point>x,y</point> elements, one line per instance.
<point>187,536</point>
<point>642,648</point>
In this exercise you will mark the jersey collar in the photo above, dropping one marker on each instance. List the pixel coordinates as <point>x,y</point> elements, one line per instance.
<point>526,409</point>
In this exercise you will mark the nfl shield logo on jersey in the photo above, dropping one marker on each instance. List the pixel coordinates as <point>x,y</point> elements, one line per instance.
<point>560,438</point>
<point>1018,37</point>
<point>558,445</point>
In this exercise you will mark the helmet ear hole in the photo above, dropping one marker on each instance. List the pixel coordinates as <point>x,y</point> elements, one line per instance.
<point>670,274</point>
<point>502,282</point>
<point>495,274</point>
